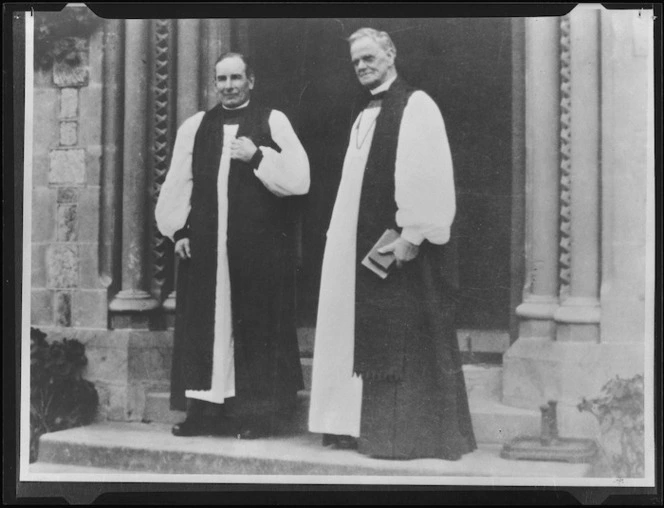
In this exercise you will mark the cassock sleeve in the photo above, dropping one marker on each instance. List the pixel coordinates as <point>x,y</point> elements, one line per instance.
<point>284,173</point>
<point>174,202</point>
<point>424,179</point>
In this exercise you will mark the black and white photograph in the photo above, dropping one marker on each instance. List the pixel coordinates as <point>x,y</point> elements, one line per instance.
<point>339,250</point>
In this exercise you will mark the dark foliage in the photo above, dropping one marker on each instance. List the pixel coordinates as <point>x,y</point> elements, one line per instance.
<point>59,397</point>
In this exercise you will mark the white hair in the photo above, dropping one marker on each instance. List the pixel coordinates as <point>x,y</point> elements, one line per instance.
<point>381,38</point>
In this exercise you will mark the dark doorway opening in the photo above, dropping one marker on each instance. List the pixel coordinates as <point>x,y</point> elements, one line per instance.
<point>303,68</point>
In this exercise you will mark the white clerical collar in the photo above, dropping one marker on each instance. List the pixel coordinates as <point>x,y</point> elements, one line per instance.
<point>384,87</point>
<point>237,107</point>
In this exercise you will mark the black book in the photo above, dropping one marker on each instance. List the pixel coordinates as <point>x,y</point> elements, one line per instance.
<point>381,264</point>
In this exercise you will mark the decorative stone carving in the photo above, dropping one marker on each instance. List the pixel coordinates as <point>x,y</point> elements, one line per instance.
<point>61,43</point>
<point>162,42</point>
<point>565,254</point>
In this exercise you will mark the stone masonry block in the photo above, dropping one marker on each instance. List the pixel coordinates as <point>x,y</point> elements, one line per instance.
<point>69,103</point>
<point>68,133</point>
<point>150,363</point>
<point>88,214</point>
<point>38,265</point>
<point>67,166</point>
<point>89,265</point>
<point>63,308</point>
<point>90,114</point>
<point>90,309</point>
<point>45,123</point>
<point>106,364</point>
<point>41,307</point>
<point>43,214</point>
<point>67,195</point>
<point>62,266</point>
<point>93,164</point>
<point>67,223</point>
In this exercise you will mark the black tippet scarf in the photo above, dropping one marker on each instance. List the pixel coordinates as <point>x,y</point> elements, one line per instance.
<point>381,314</point>
<point>199,301</point>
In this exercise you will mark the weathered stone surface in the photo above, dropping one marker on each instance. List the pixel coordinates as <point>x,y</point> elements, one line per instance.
<point>68,133</point>
<point>150,363</point>
<point>63,308</point>
<point>93,164</point>
<point>69,103</point>
<point>67,166</point>
<point>90,309</point>
<point>112,401</point>
<point>67,75</point>
<point>90,114</point>
<point>537,370</point>
<point>67,223</point>
<point>138,447</point>
<point>130,321</point>
<point>89,261</point>
<point>44,132</point>
<point>43,214</point>
<point>88,214</point>
<point>41,307</point>
<point>106,363</point>
<point>62,266</point>
<point>38,265</point>
<point>67,195</point>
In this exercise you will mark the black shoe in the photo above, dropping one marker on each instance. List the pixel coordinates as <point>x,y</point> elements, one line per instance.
<point>191,427</point>
<point>340,442</point>
<point>329,439</point>
<point>346,443</point>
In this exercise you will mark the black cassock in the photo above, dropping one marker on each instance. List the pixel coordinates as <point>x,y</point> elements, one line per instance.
<point>261,256</point>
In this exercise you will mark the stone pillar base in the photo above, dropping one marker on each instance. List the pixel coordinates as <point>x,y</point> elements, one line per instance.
<point>536,370</point>
<point>124,365</point>
<point>536,316</point>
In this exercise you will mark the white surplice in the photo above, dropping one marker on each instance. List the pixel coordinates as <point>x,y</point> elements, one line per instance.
<point>283,173</point>
<point>424,193</point>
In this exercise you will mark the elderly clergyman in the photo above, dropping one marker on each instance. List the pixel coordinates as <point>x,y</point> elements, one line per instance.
<point>225,204</point>
<point>386,367</point>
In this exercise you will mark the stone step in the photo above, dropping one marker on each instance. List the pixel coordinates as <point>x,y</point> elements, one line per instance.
<point>493,422</point>
<point>140,448</point>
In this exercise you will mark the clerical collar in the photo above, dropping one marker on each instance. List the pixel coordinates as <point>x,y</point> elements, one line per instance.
<point>233,113</point>
<point>380,91</point>
<point>241,106</point>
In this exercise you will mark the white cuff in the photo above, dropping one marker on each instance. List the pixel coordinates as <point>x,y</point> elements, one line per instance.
<point>412,235</point>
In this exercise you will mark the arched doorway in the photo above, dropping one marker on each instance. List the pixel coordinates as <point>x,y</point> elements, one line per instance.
<point>466,65</point>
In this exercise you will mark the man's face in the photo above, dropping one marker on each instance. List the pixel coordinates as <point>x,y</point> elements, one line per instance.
<point>371,62</point>
<point>233,85</point>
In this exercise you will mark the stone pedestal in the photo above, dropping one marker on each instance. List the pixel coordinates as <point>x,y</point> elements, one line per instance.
<point>124,365</point>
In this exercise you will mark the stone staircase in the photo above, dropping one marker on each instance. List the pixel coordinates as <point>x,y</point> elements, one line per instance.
<point>148,446</point>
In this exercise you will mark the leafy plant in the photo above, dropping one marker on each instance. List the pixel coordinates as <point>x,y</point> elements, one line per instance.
<point>619,411</point>
<point>59,397</point>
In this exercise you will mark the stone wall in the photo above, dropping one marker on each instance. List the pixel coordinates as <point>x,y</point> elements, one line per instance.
<point>66,289</point>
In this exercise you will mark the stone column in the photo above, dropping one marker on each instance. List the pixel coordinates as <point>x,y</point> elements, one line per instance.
<point>579,314</point>
<point>540,299</point>
<point>627,175</point>
<point>607,116</point>
<point>215,40</point>
<point>111,168</point>
<point>133,298</point>
<point>187,97</point>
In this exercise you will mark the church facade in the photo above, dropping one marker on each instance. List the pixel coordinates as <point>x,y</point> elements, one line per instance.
<point>552,133</point>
